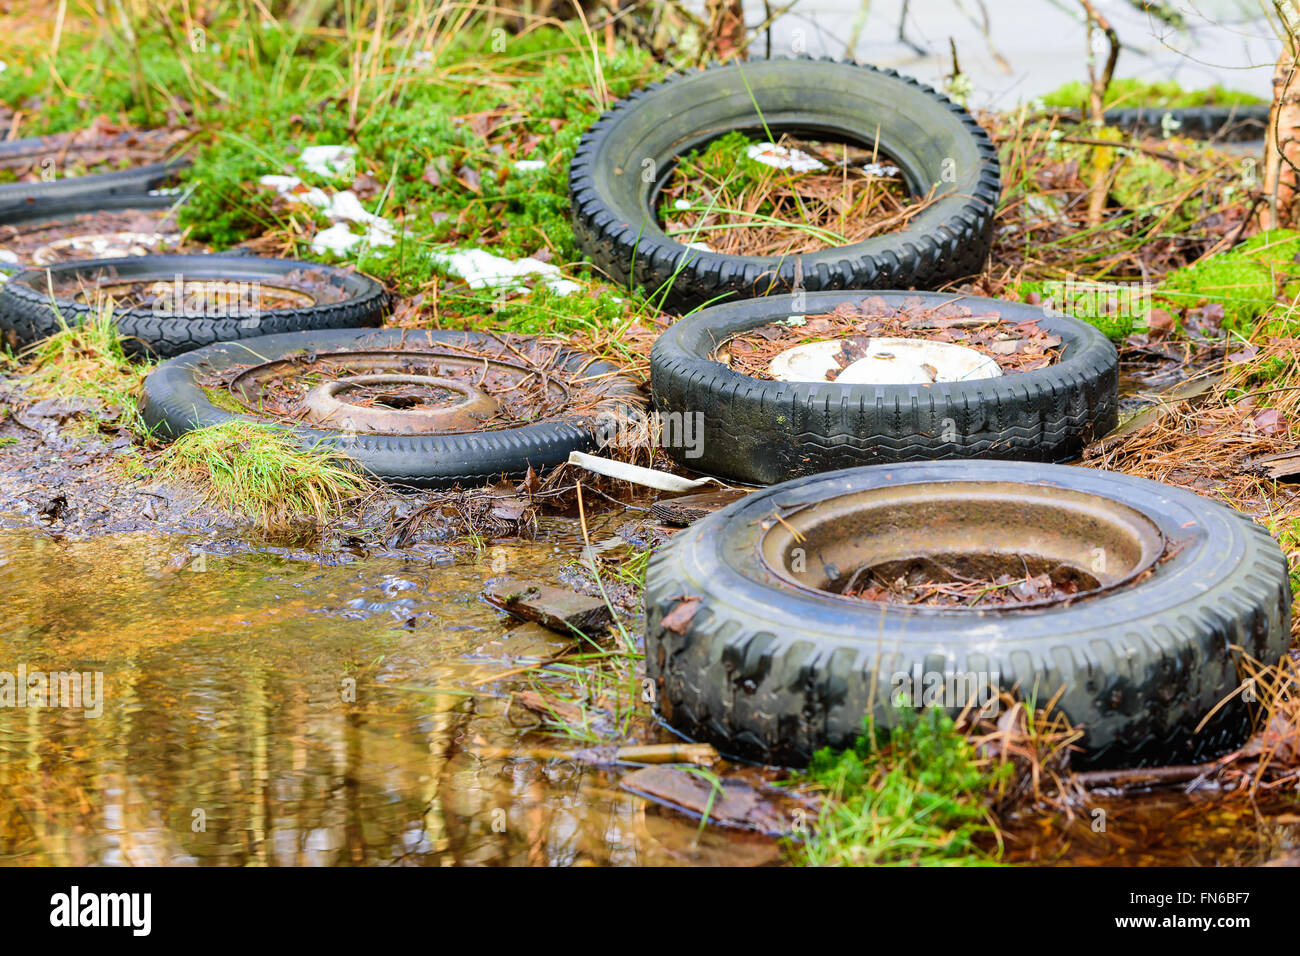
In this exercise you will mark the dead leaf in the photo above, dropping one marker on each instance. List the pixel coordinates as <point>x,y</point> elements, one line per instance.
<point>679,618</point>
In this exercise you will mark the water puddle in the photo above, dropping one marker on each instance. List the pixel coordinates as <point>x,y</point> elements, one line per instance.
<point>228,736</point>
<point>260,709</point>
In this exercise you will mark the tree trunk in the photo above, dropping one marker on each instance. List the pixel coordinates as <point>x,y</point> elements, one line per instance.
<point>1282,148</point>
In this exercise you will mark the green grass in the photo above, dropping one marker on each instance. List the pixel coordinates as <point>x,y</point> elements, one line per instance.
<point>88,361</point>
<point>440,138</point>
<point>260,471</point>
<point>1134,92</point>
<point>919,798</point>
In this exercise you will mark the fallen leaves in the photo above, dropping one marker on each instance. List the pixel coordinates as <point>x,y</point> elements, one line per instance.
<point>679,618</point>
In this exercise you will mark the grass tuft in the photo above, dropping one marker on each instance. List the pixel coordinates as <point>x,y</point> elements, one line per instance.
<point>88,361</point>
<point>260,471</point>
<point>920,798</point>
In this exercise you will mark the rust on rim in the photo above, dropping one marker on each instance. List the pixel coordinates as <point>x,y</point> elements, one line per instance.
<point>970,529</point>
<point>401,392</point>
<point>324,406</point>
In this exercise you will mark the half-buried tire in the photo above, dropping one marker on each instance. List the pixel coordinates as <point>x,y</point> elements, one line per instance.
<point>193,300</point>
<point>761,431</point>
<point>624,160</point>
<point>214,385</point>
<point>753,647</point>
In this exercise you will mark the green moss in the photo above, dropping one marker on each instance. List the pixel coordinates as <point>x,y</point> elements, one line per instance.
<point>222,399</point>
<point>1145,185</point>
<point>1134,92</point>
<point>1246,281</point>
<point>918,799</point>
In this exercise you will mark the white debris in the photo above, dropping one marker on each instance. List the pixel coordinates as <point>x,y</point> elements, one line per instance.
<point>682,204</point>
<point>9,257</point>
<point>529,165</point>
<point>342,207</point>
<point>346,205</point>
<point>702,246</point>
<point>483,270</point>
<point>880,169</point>
<point>328,160</point>
<point>281,184</point>
<point>887,361</point>
<point>647,477</point>
<point>783,157</point>
<point>289,186</point>
<point>338,239</point>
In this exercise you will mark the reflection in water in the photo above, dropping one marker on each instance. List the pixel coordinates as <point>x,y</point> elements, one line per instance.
<point>261,710</point>
<point>267,711</point>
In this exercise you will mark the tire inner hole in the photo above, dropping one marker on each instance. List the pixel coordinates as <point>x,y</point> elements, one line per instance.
<point>966,580</point>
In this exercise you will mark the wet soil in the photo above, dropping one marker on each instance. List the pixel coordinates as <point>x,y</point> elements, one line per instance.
<point>1014,346</point>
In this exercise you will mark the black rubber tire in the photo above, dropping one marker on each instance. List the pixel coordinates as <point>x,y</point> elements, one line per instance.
<point>926,134</point>
<point>772,673</point>
<point>44,210</point>
<point>53,208</point>
<point>762,432</point>
<point>174,403</point>
<point>28,315</point>
<point>1226,123</point>
<point>137,181</point>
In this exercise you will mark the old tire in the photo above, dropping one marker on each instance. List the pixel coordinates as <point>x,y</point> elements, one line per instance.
<point>138,181</point>
<point>1225,123</point>
<point>46,210</point>
<point>28,314</point>
<point>932,140</point>
<point>761,432</point>
<point>175,402</point>
<point>771,671</point>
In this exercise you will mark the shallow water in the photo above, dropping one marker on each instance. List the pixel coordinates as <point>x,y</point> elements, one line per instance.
<point>225,737</point>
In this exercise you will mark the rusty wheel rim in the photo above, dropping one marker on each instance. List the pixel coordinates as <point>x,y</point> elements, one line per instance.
<point>819,547</point>
<point>326,403</point>
<point>325,406</point>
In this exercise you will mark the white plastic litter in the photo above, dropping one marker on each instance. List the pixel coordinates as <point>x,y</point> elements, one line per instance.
<point>342,207</point>
<point>783,157</point>
<point>529,165</point>
<point>880,169</point>
<point>327,160</point>
<point>337,239</point>
<point>647,477</point>
<point>483,270</point>
<point>888,361</point>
